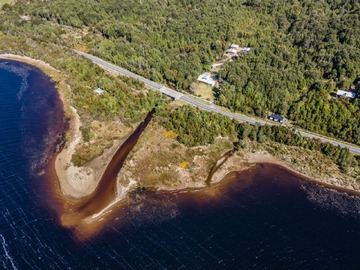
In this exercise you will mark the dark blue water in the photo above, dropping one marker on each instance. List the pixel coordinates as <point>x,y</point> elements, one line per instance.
<point>261,219</point>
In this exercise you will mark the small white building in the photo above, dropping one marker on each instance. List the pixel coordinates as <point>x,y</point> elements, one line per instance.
<point>245,49</point>
<point>235,46</point>
<point>99,91</point>
<point>207,79</point>
<point>231,51</point>
<point>346,94</point>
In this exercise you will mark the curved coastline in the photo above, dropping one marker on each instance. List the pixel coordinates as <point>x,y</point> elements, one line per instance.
<point>65,171</point>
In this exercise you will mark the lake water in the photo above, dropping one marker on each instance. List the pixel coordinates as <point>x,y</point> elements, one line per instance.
<point>264,218</point>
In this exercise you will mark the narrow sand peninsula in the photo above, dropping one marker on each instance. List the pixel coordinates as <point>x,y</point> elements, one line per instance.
<point>74,181</point>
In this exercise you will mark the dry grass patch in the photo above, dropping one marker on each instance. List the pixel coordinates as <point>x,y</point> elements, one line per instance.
<point>81,47</point>
<point>204,91</point>
<point>102,136</point>
<point>158,160</point>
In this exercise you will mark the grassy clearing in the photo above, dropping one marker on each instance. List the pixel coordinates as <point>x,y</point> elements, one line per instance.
<point>205,91</point>
<point>101,136</point>
<point>3,2</point>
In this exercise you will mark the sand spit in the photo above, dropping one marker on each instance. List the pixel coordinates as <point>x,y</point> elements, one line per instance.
<point>74,181</point>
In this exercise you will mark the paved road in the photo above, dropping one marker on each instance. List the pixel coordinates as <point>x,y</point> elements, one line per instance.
<point>208,107</point>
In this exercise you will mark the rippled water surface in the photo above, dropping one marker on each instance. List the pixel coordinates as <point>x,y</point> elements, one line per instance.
<point>265,218</point>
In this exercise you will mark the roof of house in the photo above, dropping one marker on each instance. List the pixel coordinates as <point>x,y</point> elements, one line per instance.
<point>206,78</point>
<point>235,46</point>
<point>347,94</point>
<point>99,91</point>
<point>231,51</point>
<point>276,117</point>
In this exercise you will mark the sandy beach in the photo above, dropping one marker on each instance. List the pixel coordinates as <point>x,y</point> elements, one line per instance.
<point>74,182</point>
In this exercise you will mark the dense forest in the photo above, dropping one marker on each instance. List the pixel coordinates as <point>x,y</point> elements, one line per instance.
<point>310,49</point>
<point>302,51</point>
<point>186,121</point>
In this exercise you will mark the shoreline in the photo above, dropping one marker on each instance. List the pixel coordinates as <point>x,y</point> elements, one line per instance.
<point>65,170</point>
<point>54,74</point>
<point>260,157</point>
<point>254,159</point>
<point>272,160</point>
<point>71,185</point>
<point>73,135</point>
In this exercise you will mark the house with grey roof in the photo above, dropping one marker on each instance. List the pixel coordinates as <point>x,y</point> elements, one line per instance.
<point>232,51</point>
<point>207,79</point>
<point>278,118</point>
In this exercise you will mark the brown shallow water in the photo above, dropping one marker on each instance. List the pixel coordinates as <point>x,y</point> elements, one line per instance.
<point>262,218</point>
<point>82,215</point>
<point>76,213</point>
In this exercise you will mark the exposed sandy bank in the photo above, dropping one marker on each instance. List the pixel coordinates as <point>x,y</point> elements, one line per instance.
<point>74,181</point>
<point>240,161</point>
<point>37,63</point>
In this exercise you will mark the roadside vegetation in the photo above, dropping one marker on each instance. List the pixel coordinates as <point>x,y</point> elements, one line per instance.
<point>194,127</point>
<point>124,103</point>
<point>302,51</point>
